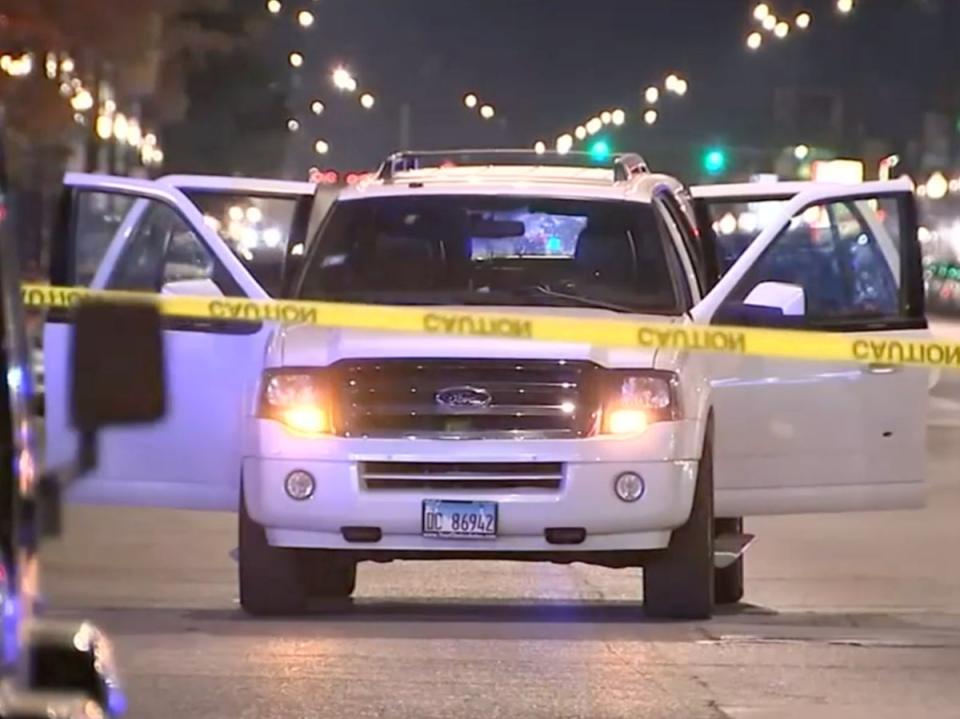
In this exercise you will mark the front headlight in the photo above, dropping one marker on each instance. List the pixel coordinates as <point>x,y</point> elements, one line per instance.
<point>299,399</point>
<point>633,400</point>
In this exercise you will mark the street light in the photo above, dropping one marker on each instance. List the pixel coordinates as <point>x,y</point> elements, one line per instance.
<point>120,127</point>
<point>104,127</point>
<point>82,101</point>
<point>781,29</point>
<point>606,117</point>
<point>305,18</point>
<point>761,12</point>
<point>274,6</point>
<point>619,117</point>
<point>801,152</point>
<point>593,125</point>
<point>470,101</point>
<point>293,124</point>
<point>367,101</point>
<point>580,132</point>
<point>754,41</point>
<point>670,84</point>
<point>540,147</point>
<point>342,79</point>
<point>564,143</point>
<point>652,94</point>
<point>322,147</point>
<point>317,107</point>
<point>769,22</point>
<point>681,87</point>
<point>295,59</point>
<point>844,6</point>
<point>802,21</point>
<point>650,116</point>
<point>937,186</point>
<point>487,112</point>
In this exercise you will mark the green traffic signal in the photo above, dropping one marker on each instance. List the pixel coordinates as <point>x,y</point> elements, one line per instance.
<point>715,161</point>
<point>600,151</point>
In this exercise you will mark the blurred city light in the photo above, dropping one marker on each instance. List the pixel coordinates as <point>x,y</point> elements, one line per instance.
<point>470,100</point>
<point>844,6</point>
<point>937,186</point>
<point>540,147</point>
<point>594,124</point>
<point>487,112</point>
<point>295,59</point>
<point>606,117</point>
<point>104,127</point>
<point>761,12</point>
<point>670,84</point>
<point>305,18</point>
<point>67,65</point>
<point>120,127</point>
<point>564,144</point>
<point>580,132</point>
<point>321,147</point>
<point>82,101</point>
<point>769,22</point>
<point>781,29</point>
<point>801,152</point>
<point>293,124</point>
<point>317,107</point>
<point>681,87</point>
<point>652,94</point>
<point>619,117</point>
<point>342,79</point>
<point>367,101</point>
<point>650,116</point>
<point>754,40</point>
<point>274,6</point>
<point>802,20</point>
<point>715,162</point>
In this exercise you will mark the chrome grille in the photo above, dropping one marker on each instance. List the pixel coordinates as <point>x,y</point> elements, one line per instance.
<point>473,476</point>
<point>488,399</point>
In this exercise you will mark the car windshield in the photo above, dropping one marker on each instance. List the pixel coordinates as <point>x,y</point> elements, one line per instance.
<point>456,249</point>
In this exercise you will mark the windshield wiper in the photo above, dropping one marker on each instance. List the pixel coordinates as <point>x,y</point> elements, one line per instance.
<point>582,301</point>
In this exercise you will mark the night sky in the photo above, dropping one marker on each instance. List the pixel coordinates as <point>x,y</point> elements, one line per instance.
<point>548,64</point>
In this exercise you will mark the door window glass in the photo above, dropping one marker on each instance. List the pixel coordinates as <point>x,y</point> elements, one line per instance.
<point>98,218</point>
<point>162,248</point>
<point>845,255</point>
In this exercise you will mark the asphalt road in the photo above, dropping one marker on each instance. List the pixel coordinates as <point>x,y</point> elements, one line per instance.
<point>847,616</point>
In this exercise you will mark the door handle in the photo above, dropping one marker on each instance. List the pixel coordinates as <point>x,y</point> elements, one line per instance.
<point>882,368</point>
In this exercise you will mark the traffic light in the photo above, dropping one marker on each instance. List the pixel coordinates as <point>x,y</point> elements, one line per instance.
<point>600,151</point>
<point>714,161</point>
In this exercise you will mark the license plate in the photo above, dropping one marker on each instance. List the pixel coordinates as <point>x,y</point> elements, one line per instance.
<point>452,518</point>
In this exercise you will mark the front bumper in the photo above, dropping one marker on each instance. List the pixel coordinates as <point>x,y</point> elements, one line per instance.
<point>585,498</point>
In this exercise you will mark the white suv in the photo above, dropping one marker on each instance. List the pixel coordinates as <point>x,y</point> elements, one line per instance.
<point>338,446</point>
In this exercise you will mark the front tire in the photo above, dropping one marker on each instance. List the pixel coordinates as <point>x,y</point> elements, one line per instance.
<point>328,575</point>
<point>271,578</point>
<point>679,583</point>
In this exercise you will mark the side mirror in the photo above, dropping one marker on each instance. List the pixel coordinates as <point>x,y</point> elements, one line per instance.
<point>117,365</point>
<point>769,304</point>
<point>203,287</point>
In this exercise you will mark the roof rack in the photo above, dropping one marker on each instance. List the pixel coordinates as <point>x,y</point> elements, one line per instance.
<point>625,166</point>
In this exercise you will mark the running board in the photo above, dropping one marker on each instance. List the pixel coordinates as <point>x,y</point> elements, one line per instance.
<point>728,548</point>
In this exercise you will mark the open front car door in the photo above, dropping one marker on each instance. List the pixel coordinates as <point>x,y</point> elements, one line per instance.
<point>810,436</point>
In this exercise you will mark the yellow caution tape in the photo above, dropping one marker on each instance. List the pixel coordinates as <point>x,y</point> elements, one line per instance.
<point>793,344</point>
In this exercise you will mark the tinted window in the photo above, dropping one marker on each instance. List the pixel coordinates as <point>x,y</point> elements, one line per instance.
<point>493,251</point>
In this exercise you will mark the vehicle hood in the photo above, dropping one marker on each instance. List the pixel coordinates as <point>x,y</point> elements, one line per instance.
<point>312,346</point>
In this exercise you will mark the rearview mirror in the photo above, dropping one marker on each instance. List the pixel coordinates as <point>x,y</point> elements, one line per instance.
<point>769,304</point>
<point>496,229</point>
<point>117,365</point>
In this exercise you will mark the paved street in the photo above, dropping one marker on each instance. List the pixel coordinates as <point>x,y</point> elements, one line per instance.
<point>848,616</point>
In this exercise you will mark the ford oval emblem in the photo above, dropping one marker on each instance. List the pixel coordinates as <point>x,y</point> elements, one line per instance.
<point>463,398</point>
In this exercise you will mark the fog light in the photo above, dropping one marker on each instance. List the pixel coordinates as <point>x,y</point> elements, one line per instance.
<point>299,485</point>
<point>629,486</point>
